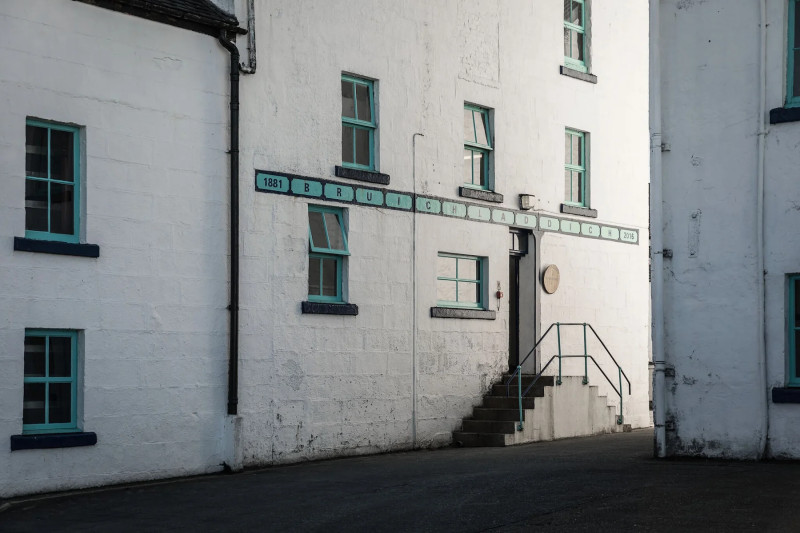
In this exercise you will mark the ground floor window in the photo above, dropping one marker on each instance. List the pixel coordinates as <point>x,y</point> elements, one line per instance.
<point>50,381</point>
<point>328,250</point>
<point>459,281</point>
<point>793,327</point>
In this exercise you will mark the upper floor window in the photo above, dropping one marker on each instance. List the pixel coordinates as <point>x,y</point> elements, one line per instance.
<point>49,402</point>
<point>477,146</point>
<point>575,168</point>
<point>793,57</point>
<point>52,188</point>
<point>575,34</point>
<point>328,249</point>
<point>358,123</point>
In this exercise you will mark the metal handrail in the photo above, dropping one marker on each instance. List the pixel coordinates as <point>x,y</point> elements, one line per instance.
<point>518,372</point>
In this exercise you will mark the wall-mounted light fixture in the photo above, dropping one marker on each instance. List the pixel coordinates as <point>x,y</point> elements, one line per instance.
<point>527,201</point>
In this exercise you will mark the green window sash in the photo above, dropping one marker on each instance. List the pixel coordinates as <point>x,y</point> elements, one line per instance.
<point>459,281</point>
<point>793,328</point>
<point>793,56</point>
<point>477,147</point>
<point>575,168</point>
<point>50,379</point>
<point>328,246</point>
<point>358,123</point>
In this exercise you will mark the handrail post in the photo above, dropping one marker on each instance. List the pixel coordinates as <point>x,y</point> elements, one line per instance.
<point>558,333</point>
<point>585,358</point>
<point>519,395</point>
<point>620,419</point>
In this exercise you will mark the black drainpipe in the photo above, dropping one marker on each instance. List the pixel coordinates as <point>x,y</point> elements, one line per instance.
<point>233,349</point>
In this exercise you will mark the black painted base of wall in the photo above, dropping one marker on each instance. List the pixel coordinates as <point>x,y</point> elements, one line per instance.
<point>52,440</point>
<point>361,175</point>
<point>785,395</point>
<point>22,244</point>
<point>454,312</point>
<point>577,74</point>
<point>320,308</point>
<point>580,211</point>
<point>480,194</point>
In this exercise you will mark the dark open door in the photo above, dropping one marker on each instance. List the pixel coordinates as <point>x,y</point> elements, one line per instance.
<point>518,248</point>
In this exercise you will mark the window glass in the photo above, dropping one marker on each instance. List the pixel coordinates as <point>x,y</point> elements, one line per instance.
<point>446,267</point>
<point>328,243</point>
<point>36,151</point>
<point>335,233</point>
<point>317,225</point>
<point>50,381</point>
<point>481,128</point>
<point>362,146</point>
<point>314,275</point>
<point>469,126</point>
<point>468,173</point>
<point>62,214</point>
<point>358,123</point>
<point>60,399</point>
<point>34,356</point>
<point>329,275</point>
<point>33,403</point>
<point>348,100</point>
<point>459,281</point>
<point>446,291</point>
<point>363,104</point>
<point>62,163</point>
<point>60,357</point>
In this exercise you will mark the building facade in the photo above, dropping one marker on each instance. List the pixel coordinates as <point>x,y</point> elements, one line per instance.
<point>725,148</point>
<point>407,173</point>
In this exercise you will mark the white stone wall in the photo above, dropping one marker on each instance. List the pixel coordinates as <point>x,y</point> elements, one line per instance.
<point>710,102</point>
<point>316,385</point>
<point>152,104</point>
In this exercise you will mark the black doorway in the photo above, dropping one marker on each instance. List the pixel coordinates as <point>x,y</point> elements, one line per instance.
<point>518,249</point>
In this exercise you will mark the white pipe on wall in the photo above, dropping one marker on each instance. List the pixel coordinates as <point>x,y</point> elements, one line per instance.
<point>656,235</point>
<point>762,132</point>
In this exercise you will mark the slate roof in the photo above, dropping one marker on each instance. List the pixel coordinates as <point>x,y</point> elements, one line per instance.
<point>196,15</point>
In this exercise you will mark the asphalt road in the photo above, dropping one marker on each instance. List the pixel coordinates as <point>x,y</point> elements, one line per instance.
<point>604,483</point>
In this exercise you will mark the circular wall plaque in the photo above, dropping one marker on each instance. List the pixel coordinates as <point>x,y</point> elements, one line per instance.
<point>550,279</point>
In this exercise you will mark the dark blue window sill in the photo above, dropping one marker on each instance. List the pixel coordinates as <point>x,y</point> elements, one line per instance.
<point>322,308</point>
<point>369,176</point>
<point>455,312</point>
<point>52,440</point>
<point>784,114</point>
<point>785,395</point>
<point>23,244</point>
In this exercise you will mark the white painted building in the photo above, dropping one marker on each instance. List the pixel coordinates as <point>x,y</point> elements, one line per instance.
<point>385,152</point>
<point>725,207</point>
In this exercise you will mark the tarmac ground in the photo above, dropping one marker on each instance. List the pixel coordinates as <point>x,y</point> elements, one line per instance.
<point>602,483</point>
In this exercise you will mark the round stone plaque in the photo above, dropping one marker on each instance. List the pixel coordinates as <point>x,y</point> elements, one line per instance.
<point>550,279</point>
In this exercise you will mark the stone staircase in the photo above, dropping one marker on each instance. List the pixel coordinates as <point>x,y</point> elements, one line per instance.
<point>550,412</point>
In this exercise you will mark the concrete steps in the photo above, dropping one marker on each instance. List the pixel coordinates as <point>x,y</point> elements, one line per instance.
<point>550,411</point>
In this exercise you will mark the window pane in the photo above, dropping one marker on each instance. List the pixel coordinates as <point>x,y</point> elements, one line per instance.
<point>478,173</point>
<point>36,151</point>
<point>568,185</point>
<point>317,226</point>
<point>348,100</point>
<point>468,293</point>
<point>446,267</point>
<point>577,46</point>
<point>576,150</point>
<point>60,357</point>
<point>62,214</point>
<point>347,144</point>
<point>796,354</point>
<point>567,42</point>
<point>567,148</point>
<point>567,9</point>
<point>60,403</point>
<point>469,127</point>
<point>35,205</point>
<point>796,80</point>
<point>796,26</point>
<point>469,269</point>
<point>34,356</point>
<point>334,231</point>
<point>362,147</point>
<point>577,14</point>
<point>313,276</point>
<point>33,403</point>
<point>62,151</point>
<point>576,187</point>
<point>363,107</point>
<point>797,305</point>
<point>446,291</point>
<point>468,166</point>
<point>482,128</point>
<point>329,285</point>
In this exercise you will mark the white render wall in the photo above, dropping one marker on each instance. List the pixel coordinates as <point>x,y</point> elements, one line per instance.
<point>318,385</point>
<point>710,101</point>
<point>152,103</point>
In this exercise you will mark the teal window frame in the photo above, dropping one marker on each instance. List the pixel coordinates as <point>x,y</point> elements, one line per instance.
<point>571,62</point>
<point>370,126</point>
<point>74,237</point>
<point>792,97</point>
<point>582,168</point>
<point>327,253</point>
<point>793,328</point>
<point>72,379</point>
<point>472,146</point>
<point>458,279</point>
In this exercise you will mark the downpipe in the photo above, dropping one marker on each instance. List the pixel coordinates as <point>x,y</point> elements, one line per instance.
<point>763,446</point>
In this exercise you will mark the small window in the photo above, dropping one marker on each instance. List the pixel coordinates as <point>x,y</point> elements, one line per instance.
<point>358,123</point>
<point>793,328</point>
<point>328,248</point>
<point>459,281</point>
<point>575,35</point>
<point>477,147</point>
<point>49,403</point>
<point>575,168</point>
<point>52,188</point>
<point>793,57</point>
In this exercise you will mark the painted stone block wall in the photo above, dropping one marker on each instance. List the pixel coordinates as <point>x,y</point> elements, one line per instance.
<point>150,101</point>
<point>319,385</point>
